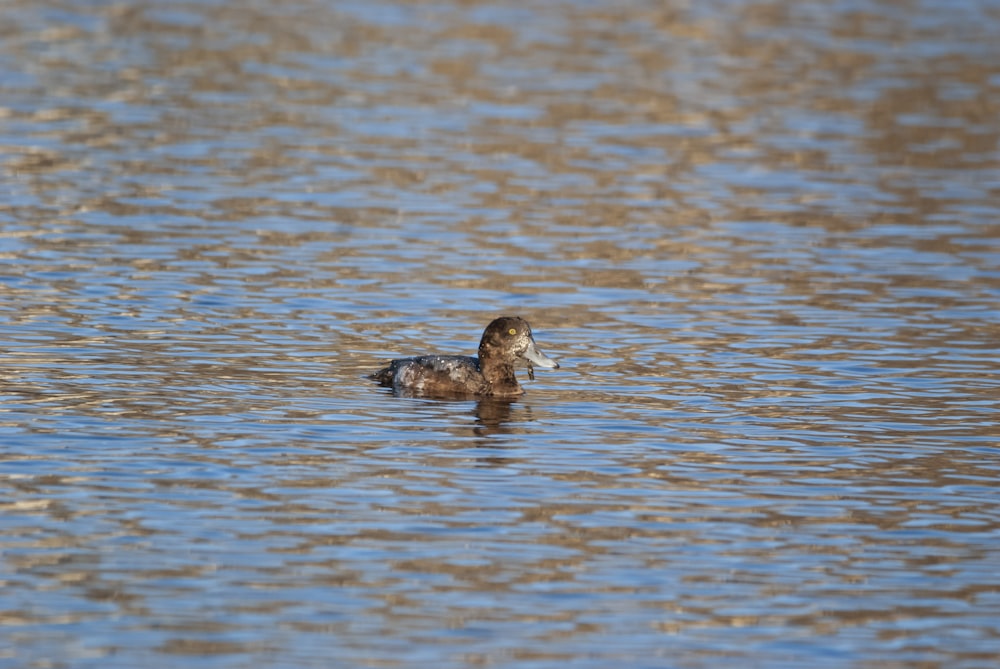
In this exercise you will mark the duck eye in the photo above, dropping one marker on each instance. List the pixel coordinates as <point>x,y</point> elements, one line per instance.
<point>512,331</point>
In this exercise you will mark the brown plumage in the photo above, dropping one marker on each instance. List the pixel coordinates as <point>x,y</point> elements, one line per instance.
<point>506,342</point>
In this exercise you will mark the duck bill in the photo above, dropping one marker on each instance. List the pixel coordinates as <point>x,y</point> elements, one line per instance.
<point>537,358</point>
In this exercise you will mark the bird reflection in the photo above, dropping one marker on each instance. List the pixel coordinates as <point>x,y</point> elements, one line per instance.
<point>493,416</point>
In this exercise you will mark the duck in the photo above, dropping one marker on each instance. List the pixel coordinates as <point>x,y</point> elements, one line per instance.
<point>506,342</point>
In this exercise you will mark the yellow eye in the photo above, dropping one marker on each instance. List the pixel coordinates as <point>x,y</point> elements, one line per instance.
<point>512,331</point>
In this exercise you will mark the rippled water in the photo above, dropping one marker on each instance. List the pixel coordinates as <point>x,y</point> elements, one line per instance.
<point>760,237</point>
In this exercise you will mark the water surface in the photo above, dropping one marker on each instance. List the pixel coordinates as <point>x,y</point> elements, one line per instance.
<point>761,238</point>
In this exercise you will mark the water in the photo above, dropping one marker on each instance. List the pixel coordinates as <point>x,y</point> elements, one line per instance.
<point>760,237</point>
